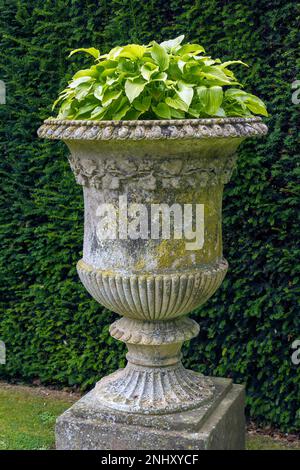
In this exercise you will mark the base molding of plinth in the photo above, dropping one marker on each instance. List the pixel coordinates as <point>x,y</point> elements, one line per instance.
<point>218,424</point>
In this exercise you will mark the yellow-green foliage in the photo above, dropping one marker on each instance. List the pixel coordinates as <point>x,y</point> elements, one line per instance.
<point>168,80</point>
<point>52,328</point>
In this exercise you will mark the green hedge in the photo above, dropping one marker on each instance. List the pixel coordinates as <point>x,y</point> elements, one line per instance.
<point>53,330</point>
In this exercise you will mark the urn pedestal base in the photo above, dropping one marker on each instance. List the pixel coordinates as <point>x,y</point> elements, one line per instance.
<point>218,423</point>
<point>154,380</point>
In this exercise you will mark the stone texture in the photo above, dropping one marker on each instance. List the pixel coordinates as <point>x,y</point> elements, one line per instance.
<point>154,282</point>
<point>155,129</point>
<point>218,424</point>
<point>151,296</point>
<point>154,380</point>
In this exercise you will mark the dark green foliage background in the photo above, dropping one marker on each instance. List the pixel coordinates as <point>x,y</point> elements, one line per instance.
<point>53,330</point>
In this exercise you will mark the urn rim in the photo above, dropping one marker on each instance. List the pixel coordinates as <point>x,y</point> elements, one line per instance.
<point>58,129</point>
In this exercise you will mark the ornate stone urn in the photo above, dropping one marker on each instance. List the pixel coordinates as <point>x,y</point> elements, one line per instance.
<point>151,281</point>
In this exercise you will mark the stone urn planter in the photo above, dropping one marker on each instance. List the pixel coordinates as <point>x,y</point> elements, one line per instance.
<point>153,282</point>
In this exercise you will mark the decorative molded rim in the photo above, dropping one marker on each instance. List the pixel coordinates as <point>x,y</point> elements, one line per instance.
<point>152,333</point>
<point>152,130</point>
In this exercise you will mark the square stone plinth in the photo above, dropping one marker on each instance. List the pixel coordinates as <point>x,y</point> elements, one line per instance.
<point>218,424</point>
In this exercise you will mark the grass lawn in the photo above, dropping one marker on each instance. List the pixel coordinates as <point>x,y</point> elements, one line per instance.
<point>261,442</point>
<point>27,418</point>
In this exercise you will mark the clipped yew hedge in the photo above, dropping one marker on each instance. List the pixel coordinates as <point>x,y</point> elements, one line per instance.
<point>53,330</point>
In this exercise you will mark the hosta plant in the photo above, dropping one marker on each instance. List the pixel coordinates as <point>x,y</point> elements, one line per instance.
<point>170,80</point>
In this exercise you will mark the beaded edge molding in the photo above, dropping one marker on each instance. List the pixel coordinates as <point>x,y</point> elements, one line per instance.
<point>152,130</point>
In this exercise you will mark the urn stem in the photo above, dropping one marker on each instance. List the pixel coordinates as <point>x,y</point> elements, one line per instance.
<point>154,380</point>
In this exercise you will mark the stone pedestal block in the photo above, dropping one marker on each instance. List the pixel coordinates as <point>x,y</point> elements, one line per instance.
<point>218,423</point>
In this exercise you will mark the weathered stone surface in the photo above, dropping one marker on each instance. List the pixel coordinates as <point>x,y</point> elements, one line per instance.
<point>153,281</point>
<point>154,380</point>
<point>218,424</point>
<point>173,294</point>
<point>151,130</point>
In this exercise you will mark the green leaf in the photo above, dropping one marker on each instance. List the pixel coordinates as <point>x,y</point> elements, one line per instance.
<point>114,53</point>
<point>113,79</point>
<point>78,81</point>
<point>220,112</point>
<point>108,72</point>
<point>132,114</point>
<point>67,93</point>
<point>162,110</point>
<point>82,91</point>
<point>216,75</point>
<point>194,112</point>
<point>98,92</point>
<point>110,96</point>
<point>160,56</point>
<point>185,93</point>
<point>160,77</point>
<point>97,112</point>
<point>121,112</point>
<point>65,110</point>
<point>235,92</point>
<point>230,62</point>
<point>172,44</point>
<point>92,72</point>
<point>142,105</point>
<point>177,103</point>
<point>132,51</point>
<point>91,51</point>
<point>192,49</point>
<point>133,88</point>
<point>85,109</point>
<point>148,69</point>
<point>256,105</point>
<point>180,65</point>
<point>210,99</point>
<point>252,102</point>
<point>177,114</point>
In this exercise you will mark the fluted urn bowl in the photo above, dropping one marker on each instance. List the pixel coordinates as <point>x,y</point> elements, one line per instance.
<point>153,281</point>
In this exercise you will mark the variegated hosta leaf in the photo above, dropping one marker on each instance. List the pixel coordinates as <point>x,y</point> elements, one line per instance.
<point>155,81</point>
